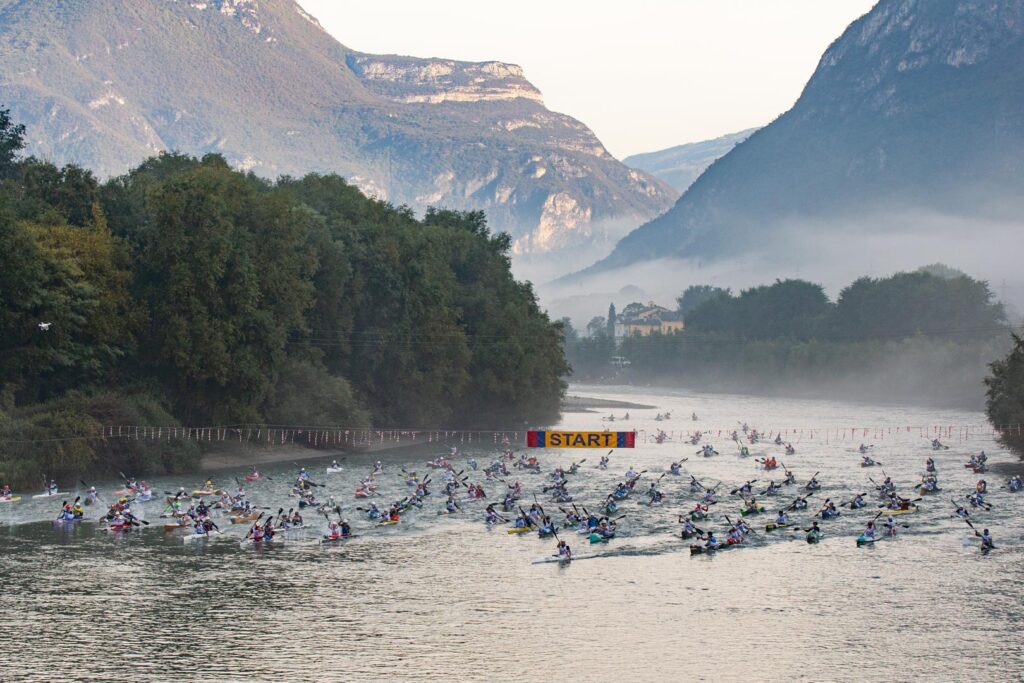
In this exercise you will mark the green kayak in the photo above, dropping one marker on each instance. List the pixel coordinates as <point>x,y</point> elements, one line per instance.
<point>598,538</point>
<point>814,536</point>
<point>751,511</point>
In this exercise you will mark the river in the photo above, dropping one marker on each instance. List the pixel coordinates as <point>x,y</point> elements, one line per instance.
<point>445,598</point>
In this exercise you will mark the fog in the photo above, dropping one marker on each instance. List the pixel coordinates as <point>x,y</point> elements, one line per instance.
<point>832,254</point>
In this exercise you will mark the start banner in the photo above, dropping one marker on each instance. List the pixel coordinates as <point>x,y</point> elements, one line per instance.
<point>581,439</point>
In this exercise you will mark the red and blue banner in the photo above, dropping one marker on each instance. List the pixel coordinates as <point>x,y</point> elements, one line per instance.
<point>581,439</point>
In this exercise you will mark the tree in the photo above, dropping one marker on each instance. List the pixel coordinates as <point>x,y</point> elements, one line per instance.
<point>611,321</point>
<point>597,326</point>
<point>12,141</point>
<point>695,295</point>
<point>1005,396</point>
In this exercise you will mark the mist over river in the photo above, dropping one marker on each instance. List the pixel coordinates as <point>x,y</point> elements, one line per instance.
<point>446,598</point>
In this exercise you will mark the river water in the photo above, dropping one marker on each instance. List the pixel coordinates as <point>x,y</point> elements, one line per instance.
<point>446,598</point>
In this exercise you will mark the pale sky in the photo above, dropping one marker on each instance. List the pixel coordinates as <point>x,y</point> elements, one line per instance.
<point>643,74</point>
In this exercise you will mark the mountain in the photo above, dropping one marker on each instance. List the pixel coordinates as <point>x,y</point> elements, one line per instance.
<point>918,108</point>
<point>106,83</point>
<point>679,166</point>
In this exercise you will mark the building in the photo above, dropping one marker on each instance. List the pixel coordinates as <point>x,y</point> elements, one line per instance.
<point>638,319</point>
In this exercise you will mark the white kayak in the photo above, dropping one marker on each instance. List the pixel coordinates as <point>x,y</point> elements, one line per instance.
<point>333,470</point>
<point>555,558</point>
<point>188,538</point>
<point>51,495</point>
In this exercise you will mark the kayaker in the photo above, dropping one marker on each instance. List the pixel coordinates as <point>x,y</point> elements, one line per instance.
<point>675,468</point>
<point>869,530</point>
<point>6,491</point>
<point>710,542</point>
<point>563,550</point>
<point>962,512</point>
<point>890,525</point>
<point>977,500</point>
<point>828,510</point>
<point>91,496</point>
<point>547,526</point>
<point>745,489</point>
<point>491,515</point>
<point>303,475</point>
<point>77,511</point>
<point>333,531</point>
<point>695,485</point>
<point>521,521</point>
<point>986,540</point>
<point>373,512</point>
<point>814,528</point>
<point>734,537</point>
<point>688,529</point>
<point>813,484</point>
<point>296,519</point>
<point>52,488</point>
<point>631,473</point>
<point>781,518</point>
<point>699,511</point>
<point>378,468</point>
<point>778,439</point>
<point>790,450</point>
<point>790,478</point>
<point>863,448</point>
<point>867,461</point>
<point>771,490</point>
<point>335,465</point>
<point>1015,484</point>
<point>752,505</point>
<point>857,502</point>
<point>798,504</point>
<point>472,464</point>
<point>981,486</point>
<point>345,528</point>
<point>603,465</point>
<point>929,465</point>
<point>451,506</point>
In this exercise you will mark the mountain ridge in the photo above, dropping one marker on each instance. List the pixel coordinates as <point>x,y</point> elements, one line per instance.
<point>106,83</point>
<point>681,165</point>
<point>916,106</point>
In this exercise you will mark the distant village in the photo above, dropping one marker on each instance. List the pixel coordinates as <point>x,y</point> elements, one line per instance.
<point>644,320</point>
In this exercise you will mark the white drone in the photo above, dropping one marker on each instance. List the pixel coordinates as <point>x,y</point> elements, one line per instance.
<point>44,326</point>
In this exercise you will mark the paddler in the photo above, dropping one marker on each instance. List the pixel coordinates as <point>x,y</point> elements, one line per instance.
<point>521,521</point>
<point>6,491</point>
<point>688,529</point>
<point>451,506</point>
<point>373,512</point>
<point>781,519</point>
<point>710,542</point>
<point>77,511</point>
<point>334,531</point>
<point>981,486</point>
<point>335,465</point>
<point>813,484</point>
<point>675,468</point>
<point>867,461</point>
<point>734,537</point>
<point>752,505</point>
<point>621,491</point>
<point>745,489</point>
<point>654,494</point>
<point>1015,484</point>
<point>869,530</point>
<point>771,490</point>
<point>977,500</point>
<point>603,465</point>
<point>491,515</point>
<point>929,465</point>
<point>52,488</point>
<point>798,503</point>
<point>790,478</point>
<point>378,468</point>
<point>709,497</point>
<point>296,519</point>
<point>890,525</point>
<point>91,496</point>
<point>857,502</point>
<point>303,475</point>
<point>828,510</point>
<point>863,448</point>
<point>962,512</point>
<point>563,550</point>
<point>547,526</point>
<point>790,450</point>
<point>631,473</point>
<point>695,485</point>
<point>986,540</point>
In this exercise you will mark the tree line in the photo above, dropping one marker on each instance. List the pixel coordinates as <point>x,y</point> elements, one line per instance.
<point>923,336</point>
<point>188,293</point>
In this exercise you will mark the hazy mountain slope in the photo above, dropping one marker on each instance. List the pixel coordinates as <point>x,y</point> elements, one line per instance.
<point>679,166</point>
<point>918,106</point>
<point>106,83</point>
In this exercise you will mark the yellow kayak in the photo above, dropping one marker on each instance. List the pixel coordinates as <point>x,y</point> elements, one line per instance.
<point>242,519</point>
<point>909,511</point>
<point>206,492</point>
<point>389,522</point>
<point>519,530</point>
<point>9,499</point>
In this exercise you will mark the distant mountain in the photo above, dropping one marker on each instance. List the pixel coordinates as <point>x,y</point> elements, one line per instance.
<point>681,165</point>
<point>106,83</point>
<point>918,106</point>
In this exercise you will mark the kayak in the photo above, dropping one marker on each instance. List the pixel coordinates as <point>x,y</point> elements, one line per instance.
<point>253,477</point>
<point>112,529</point>
<point>598,538</point>
<point>611,509</point>
<point>175,527</point>
<point>197,537</point>
<point>814,536</point>
<point>9,499</point>
<point>544,533</point>
<point>923,491</point>
<point>909,511</point>
<point>206,492</point>
<point>519,530</point>
<point>242,519</point>
<point>73,520</point>
<point>124,492</point>
<point>553,558</point>
<point>702,550</point>
<point>335,539</point>
<point>333,470</point>
<point>772,526</point>
<point>362,494</point>
<point>862,540</point>
<point>751,511</point>
<point>305,503</point>
<point>263,541</point>
<point>51,495</point>
<point>388,522</point>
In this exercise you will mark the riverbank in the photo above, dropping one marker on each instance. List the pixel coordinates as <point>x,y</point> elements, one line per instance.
<point>589,404</point>
<point>242,456</point>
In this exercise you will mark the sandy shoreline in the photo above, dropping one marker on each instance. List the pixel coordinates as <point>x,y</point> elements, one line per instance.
<point>588,404</point>
<point>223,457</point>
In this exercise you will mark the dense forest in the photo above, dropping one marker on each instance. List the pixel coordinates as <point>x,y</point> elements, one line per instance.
<point>188,293</point>
<point>925,336</point>
<point>1005,397</point>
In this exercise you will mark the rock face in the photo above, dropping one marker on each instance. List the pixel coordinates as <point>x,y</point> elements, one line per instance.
<point>679,166</point>
<point>918,106</point>
<point>106,83</point>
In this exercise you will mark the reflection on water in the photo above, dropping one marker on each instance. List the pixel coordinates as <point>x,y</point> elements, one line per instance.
<point>447,599</point>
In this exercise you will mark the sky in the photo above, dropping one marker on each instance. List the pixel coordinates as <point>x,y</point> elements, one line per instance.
<point>643,74</point>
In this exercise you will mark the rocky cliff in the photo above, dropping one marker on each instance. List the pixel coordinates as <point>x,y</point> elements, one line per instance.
<point>106,83</point>
<point>917,108</point>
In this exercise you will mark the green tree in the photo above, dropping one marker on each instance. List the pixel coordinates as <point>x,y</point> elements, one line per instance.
<point>695,295</point>
<point>1005,396</point>
<point>12,142</point>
